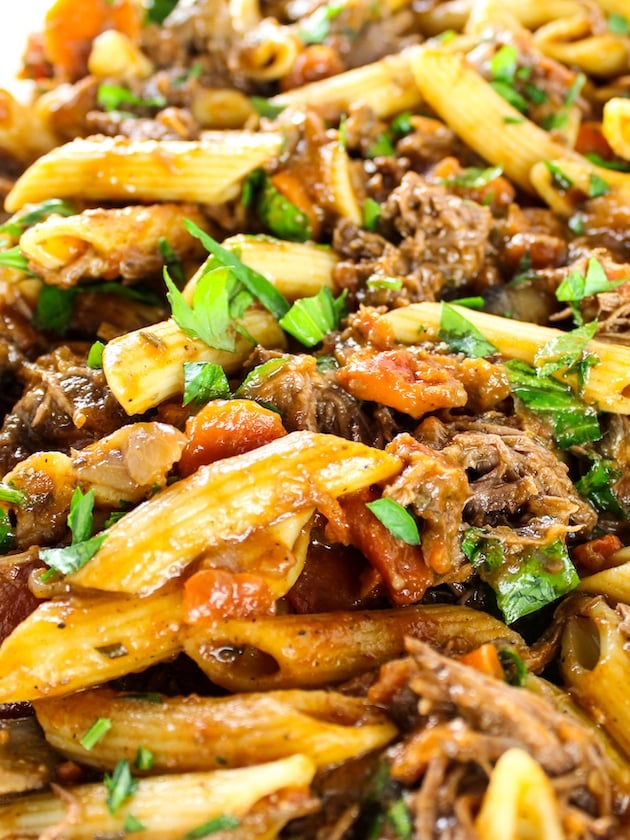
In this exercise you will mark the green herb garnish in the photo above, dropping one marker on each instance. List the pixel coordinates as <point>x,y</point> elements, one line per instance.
<point>396,519</point>
<point>371,213</point>
<point>204,381</point>
<point>310,319</point>
<point>111,97</point>
<point>576,286</point>
<point>95,356</point>
<point>17,226</point>
<point>158,10</point>
<point>120,785</point>
<point>462,335</point>
<point>95,733</point>
<point>596,487</point>
<point>316,27</point>
<point>212,827</point>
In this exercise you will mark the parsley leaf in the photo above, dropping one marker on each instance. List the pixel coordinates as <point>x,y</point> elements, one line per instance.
<point>94,734</point>
<point>204,381</point>
<point>211,316</point>
<point>95,356</point>
<point>71,558</point>
<point>310,319</point>
<point>558,177</point>
<point>172,261</point>
<point>618,24</point>
<point>120,785</point>
<point>567,353</point>
<point>14,258</point>
<point>473,177</point>
<point>523,584</point>
<point>80,515</point>
<point>158,10</point>
<point>577,286</point>
<point>573,421</point>
<point>11,495</point>
<point>371,213</point>
<point>396,519</point>
<point>18,225</point>
<point>463,336</point>
<point>111,97</point>
<point>7,537</point>
<point>596,487</point>
<point>316,27</point>
<point>255,283</point>
<point>282,218</point>
<point>212,827</point>
<point>266,108</point>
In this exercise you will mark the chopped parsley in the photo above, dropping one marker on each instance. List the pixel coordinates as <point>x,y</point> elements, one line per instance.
<point>95,356</point>
<point>11,495</point>
<point>120,785</point>
<point>396,518</point>
<point>538,576</point>
<point>577,286</point>
<point>473,177</point>
<point>265,108</point>
<point>172,261</point>
<point>567,354</point>
<point>7,537</point>
<point>144,759</point>
<point>597,185</point>
<point>212,827</point>
<point>381,147</point>
<point>514,668</point>
<point>316,27</point>
<point>463,336</point>
<point>558,177</point>
<point>255,283</point>
<point>311,319</point>
<point>383,281</point>
<point>95,733</point>
<point>83,547</point>
<point>14,258</point>
<point>259,375</point>
<point>111,97</point>
<point>619,24</point>
<point>573,422</point>
<point>371,213</point>
<point>204,381</point>
<point>158,10</point>
<point>596,486</point>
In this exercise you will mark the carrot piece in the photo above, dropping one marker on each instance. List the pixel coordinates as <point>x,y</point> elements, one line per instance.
<point>597,554</point>
<point>485,659</point>
<point>402,381</point>
<point>223,428</point>
<point>70,28</point>
<point>215,593</point>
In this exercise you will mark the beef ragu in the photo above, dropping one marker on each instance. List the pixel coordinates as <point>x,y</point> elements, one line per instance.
<point>314,444</point>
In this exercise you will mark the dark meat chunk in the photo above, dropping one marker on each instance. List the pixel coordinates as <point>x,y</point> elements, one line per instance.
<point>18,342</point>
<point>515,479</point>
<point>65,404</point>
<point>16,599</point>
<point>309,398</point>
<point>463,721</point>
<point>441,239</point>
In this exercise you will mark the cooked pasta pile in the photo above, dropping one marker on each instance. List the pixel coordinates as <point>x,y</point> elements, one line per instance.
<point>314,456</point>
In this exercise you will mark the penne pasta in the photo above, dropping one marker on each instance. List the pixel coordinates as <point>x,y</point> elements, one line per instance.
<point>595,660</point>
<point>208,171</point>
<point>387,86</point>
<point>109,243</point>
<point>167,807</point>
<point>493,127</point>
<point>616,126</point>
<point>520,801</point>
<point>205,733</point>
<point>145,367</point>
<point>224,502</point>
<point>78,641</point>
<point>310,651</point>
<point>296,269</point>
<point>607,382</point>
<point>614,583</point>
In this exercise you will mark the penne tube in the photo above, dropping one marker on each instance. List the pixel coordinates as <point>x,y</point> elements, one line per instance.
<point>109,243</point>
<point>570,42</point>
<point>595,662</point>
<point>338,187</point>
<point>311,651</point>
<point>204,733</point>
<point>145,367</point>
<point>207,171</point>
<point>24,134</point>
<point>296,269</point>
<point>519,802</point>
<point>268,51</point>
<point>223,503</point>
<point>167,807</point>
<point>616,125</point>
<point>387,86</point>
<point>608,382</point>
<point>493,128</point>
<point>580,173</point>
<point>614,583</point>
<point>78,641</point>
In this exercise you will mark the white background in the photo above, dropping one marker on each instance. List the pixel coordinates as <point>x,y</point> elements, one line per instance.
<point>17,19</point>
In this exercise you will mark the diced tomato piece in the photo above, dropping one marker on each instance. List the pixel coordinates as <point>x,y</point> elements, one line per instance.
<point>223,428</point>
<point>596,555</point>
<point>211,594</point>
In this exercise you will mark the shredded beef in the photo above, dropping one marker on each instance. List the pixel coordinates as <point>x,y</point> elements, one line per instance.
<point>441,239</point>
<point>462,722</point>
<point>65,404</point>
